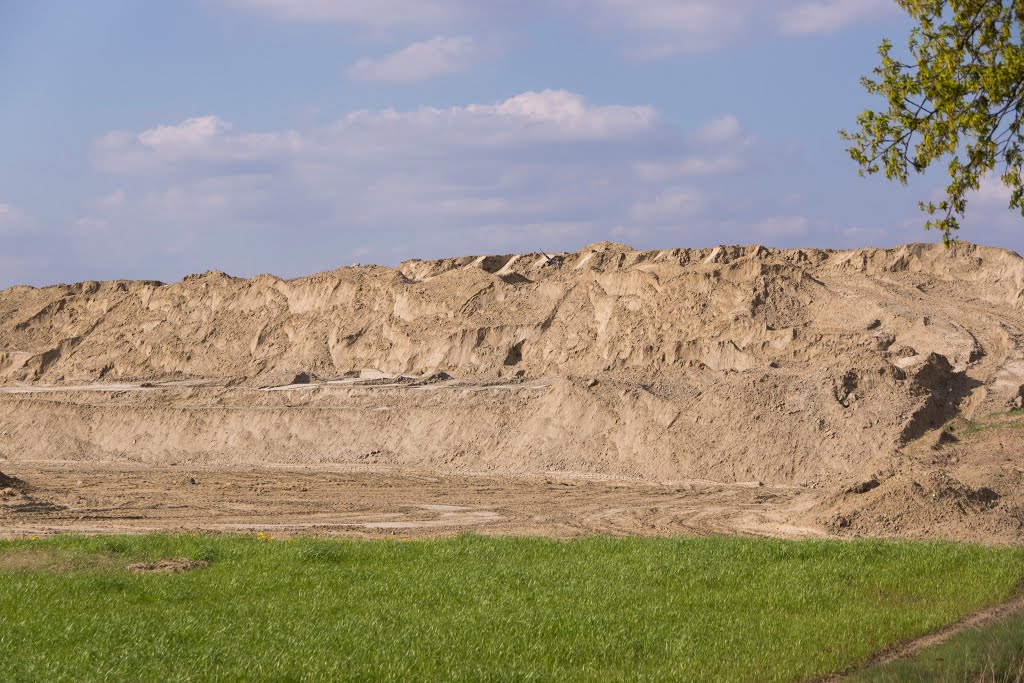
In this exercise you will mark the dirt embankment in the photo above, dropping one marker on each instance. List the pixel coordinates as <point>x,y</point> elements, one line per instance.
<point>803,368</point>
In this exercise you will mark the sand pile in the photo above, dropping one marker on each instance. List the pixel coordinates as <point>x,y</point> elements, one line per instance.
<point>804,367</point>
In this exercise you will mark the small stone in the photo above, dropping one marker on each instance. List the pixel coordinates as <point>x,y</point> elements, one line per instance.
<point>884,340</point>
<point>1017,402</point>
<point>864,486</point>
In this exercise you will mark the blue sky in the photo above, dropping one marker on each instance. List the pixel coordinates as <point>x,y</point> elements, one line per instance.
<point>153,140</point>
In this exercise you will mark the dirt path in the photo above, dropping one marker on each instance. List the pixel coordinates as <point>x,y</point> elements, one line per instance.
<point>978,620</point>
<point>375,501</point>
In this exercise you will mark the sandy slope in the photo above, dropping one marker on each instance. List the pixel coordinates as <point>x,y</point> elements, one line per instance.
<point>794,368</point>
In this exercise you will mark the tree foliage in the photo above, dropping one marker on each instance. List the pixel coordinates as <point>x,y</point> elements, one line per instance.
<point>958,96</point>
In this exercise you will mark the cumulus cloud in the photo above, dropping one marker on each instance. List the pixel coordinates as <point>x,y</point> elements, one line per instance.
<point>538,169</point>
<point>531,117</point>
<point>987,210</point>
<point>719,130</point>
<point>114,200</point>
<point>644,28</point>
<point>31,254</point>
<point>695,165</point>
<point>190,133</point>
<point>670,205</point>
<point>199,139</point>
<point>719,146</point>
<point>860,236</point>
<point>659,28</point>
<point>378,13</point>
<point>14,220</point>
<point>438,56</point>
<point>831,15</point>
<point>991,192</point>
<point>782,226</point>
<point>988,214</point>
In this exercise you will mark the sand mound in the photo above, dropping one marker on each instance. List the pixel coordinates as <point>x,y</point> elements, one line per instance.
<point>809,367</point>
<point>605,309</point>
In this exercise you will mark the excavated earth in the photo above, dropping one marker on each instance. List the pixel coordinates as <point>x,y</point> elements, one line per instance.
<point>735,389</point>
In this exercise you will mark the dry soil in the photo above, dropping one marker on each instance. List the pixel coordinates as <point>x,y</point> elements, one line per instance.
<point>743,389</point>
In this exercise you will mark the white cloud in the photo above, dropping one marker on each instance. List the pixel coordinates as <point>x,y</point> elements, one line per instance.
<point>860,236</point>
<point>567,115</point>
<point>420,61</point>
<point>374,13</point>
<point>14,220</point>
<point>202,137</point>
<point>988,210</point>
<point>190,133</point>
<point>113,200</point>
<point>719,146</point>
<point>831,15</point>
<point>91,223</point>
<point>695,165</point>
<point>719,130</point>
<point>472,175</point>
<point>643,28</point>
<point>782,226</point>
<point>672,204</point>
<point>547,116</point>
<point>475,205</point>
<point>991,192</point>
<point>659,28</point>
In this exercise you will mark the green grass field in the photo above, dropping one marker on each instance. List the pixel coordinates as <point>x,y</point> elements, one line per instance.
<point>477,608</point>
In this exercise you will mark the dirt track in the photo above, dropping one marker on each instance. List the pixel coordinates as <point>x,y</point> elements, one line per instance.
<point>374,501</point>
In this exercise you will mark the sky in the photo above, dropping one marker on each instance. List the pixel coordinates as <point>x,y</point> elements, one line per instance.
<point>150,140</point>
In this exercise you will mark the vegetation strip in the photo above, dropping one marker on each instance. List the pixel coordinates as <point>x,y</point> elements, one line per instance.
<point>989,652</point>
<point>472,608</point>
<point>980,620</point>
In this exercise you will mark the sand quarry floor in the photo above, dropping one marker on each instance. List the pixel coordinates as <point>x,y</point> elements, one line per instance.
<point>963,485</point>
<point>370,501</point>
